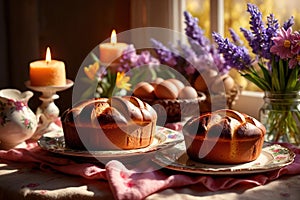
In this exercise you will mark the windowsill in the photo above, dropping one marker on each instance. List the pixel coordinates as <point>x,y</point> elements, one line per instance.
<point>249,102</point>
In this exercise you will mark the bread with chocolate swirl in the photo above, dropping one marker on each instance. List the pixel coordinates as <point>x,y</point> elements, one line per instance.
<point>109,124</point>
<point>223,136</point>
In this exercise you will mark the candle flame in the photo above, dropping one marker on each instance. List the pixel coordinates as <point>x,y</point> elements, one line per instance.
<point>48,55</point>
<point>113,37</point>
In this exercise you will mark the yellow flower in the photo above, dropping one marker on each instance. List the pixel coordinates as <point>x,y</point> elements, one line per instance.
<point>122,81</point>
<point>91,70</point>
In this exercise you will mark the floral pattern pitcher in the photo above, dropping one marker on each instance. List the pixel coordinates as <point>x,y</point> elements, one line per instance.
<point>17,121</point>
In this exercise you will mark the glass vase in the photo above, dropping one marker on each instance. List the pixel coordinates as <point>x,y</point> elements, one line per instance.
<point>281,116</point>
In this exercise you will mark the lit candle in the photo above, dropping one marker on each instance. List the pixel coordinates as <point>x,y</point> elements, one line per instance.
<point>110,52</point>
<point>47,72</point>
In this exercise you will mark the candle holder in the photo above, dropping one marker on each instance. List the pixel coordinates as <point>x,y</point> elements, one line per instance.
<point>47,113</point>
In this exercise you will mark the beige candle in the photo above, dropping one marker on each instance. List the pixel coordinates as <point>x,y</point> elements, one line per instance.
<point>110,52</point>
<point>47,72</point>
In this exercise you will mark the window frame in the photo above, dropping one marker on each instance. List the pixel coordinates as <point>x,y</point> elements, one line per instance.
<point>144,13</point>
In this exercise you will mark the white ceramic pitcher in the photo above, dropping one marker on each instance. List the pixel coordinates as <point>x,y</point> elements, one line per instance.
<point>17,121</point>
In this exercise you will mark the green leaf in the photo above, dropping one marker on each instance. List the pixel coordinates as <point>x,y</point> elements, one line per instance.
<point>88,93</point>
<point>153,73</point>
<point>94,57</point>
<point>111,77</point>
<point>275,82</point>
<point>141,74</point>
<point>88,81</point>
<point>258,82</point>
<point>293,83</point>
<point>165,74</point>
<point>297,86</point>
<point>266,73</point>
<point>281,75</point>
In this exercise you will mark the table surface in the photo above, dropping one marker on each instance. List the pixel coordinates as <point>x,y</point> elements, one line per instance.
<point>23,180</point>
<point>26,180</point>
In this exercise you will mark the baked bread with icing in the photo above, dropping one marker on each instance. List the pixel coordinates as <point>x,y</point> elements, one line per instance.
<point>109,123</point>
<point>224,136</point>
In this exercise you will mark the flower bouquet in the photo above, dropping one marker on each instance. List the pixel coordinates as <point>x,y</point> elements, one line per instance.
<point>131,69</point>
<point>201,64</point>
<point>273,66</point>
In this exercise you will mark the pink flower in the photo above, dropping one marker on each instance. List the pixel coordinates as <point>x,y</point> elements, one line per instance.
<point>275,150</point>
<point>295,47</point>
<point>26,122</point>
<point>19,105</point>
<point>282,44</point>
<point>294,61</point>
<point>280,157</point>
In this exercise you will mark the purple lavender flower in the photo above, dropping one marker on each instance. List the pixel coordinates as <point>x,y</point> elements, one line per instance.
<point>235,38</point>
<point>289,23</point>
<point>272,26</point>
<point>220,63</point>
<point>194,32</point>
<point>202,46</point>
<point>258,40</point>
<point>189,56</point>
<point>102,72</point>
<point>165,55</point>
<point>247,34</point>
<point>271,31</point>
<point>130,59</point>
<point>146,58</point>
<point>277,52</point>
<point>202,62</point>
<point>186,50</point>
<point>257,25</point>
<point>234,56</point>
<point>200,54</point>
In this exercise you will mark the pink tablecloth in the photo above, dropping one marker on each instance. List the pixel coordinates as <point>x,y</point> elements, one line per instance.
<point>128,182</point>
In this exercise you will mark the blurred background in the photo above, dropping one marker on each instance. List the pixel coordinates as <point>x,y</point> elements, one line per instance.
<point>73,28</point>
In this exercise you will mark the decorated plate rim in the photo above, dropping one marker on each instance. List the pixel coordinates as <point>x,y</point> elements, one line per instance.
<point>164,138</point>
<point>277,155</point>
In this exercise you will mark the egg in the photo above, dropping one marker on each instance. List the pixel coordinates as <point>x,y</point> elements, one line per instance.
<point>177,83</point>
<point>188,92</point>
<point>222,83</point>
<point>228,83</point>
<point>166,90</point>
<point>156,81</point>
<point>204,80</point>
<point>144,90</point>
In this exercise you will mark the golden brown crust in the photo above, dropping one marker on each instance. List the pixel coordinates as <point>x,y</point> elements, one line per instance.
<point>231,137</point>
<point>127,122</point>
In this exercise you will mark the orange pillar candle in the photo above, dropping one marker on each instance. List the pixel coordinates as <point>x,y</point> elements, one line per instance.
<point>110,52</point>
<point>47,72</point>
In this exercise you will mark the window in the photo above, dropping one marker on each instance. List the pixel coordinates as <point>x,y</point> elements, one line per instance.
<point>213,15</point>
<point>220,15</point>
<point>235,15</point>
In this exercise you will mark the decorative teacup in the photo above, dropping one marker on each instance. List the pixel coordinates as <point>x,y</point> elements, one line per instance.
<point>17,121</point>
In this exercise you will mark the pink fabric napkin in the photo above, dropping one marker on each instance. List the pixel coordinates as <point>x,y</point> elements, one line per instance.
<point>129,183</point>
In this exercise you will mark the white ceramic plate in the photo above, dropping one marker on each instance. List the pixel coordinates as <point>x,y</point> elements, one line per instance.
<point>272,157</point>
<point>163,139</point>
